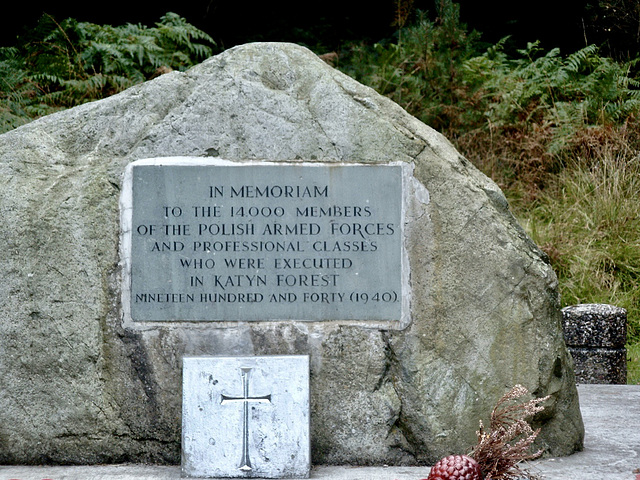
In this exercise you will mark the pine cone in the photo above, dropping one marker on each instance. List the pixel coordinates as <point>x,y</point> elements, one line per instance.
<point>455,467</point>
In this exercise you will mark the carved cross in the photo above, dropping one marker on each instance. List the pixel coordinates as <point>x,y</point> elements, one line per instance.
<point>245,462</point>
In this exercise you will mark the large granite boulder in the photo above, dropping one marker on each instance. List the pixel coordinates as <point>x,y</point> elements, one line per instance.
<point>80,386</point>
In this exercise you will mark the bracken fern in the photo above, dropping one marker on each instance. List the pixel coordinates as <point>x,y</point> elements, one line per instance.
<point>566,94</point>
<point>420,70</point>
<point>63,64</point>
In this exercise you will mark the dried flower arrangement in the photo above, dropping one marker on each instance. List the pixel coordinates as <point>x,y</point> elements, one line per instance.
<point>498,453</point>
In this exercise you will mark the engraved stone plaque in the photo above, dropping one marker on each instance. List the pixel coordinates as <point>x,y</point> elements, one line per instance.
<point>247,242</point>
<point>246,417</point>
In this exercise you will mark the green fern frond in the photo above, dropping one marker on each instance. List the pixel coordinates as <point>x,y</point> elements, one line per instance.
<point>580,60</point>
<point>62,64</point>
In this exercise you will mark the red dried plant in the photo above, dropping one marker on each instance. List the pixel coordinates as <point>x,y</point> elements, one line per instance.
<point>510,437</point>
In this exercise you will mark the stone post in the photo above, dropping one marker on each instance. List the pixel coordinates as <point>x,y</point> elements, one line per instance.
<point>596,335</point>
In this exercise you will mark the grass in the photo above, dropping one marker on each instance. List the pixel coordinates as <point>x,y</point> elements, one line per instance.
<point>633,363</point>
<point>588,222</point>
<point>585,215</point>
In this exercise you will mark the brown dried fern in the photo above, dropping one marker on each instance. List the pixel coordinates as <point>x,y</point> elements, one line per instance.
<point>510,437</point>
<point>403,11</point>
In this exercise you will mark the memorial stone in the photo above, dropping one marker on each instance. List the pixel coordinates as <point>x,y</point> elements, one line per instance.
<point>107,208</point>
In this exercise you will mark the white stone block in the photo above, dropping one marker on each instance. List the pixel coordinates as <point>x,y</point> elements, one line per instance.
<point>246,417</point>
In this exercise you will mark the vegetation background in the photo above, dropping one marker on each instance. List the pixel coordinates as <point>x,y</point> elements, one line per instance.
<point>544,100</point>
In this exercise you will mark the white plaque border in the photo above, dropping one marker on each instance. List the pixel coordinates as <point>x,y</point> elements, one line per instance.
<point>410,187</point>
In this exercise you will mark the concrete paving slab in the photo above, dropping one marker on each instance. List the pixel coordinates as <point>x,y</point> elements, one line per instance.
<point>611,415</point>
<point>149,472</point>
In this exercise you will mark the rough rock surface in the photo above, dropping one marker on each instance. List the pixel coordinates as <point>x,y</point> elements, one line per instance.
<point>596,335</point>
<point>78,387</point>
